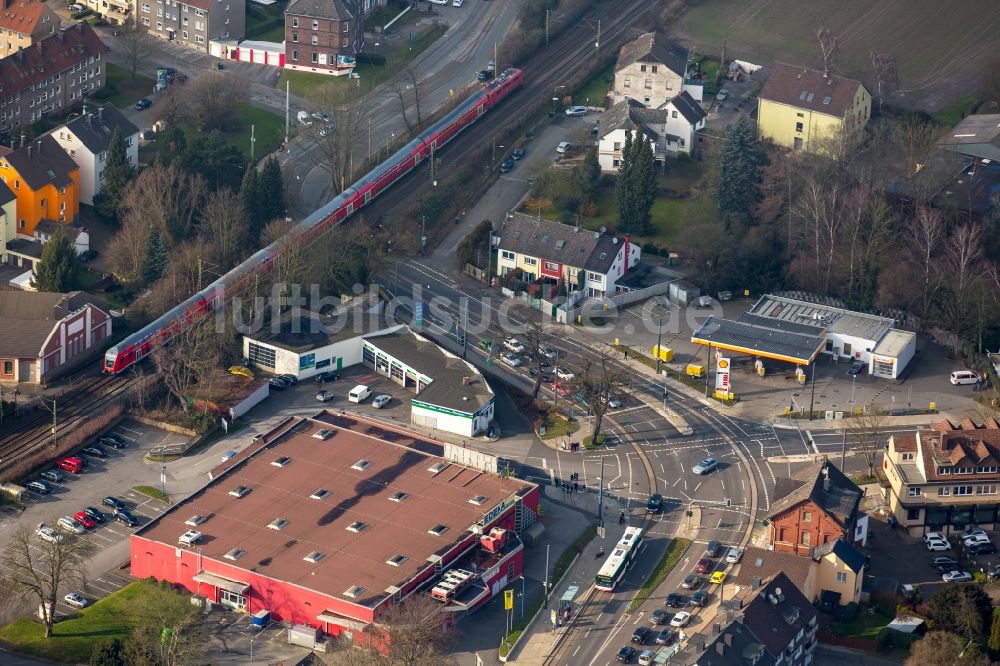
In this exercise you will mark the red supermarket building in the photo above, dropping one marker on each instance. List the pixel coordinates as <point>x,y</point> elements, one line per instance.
<point>329,520</point>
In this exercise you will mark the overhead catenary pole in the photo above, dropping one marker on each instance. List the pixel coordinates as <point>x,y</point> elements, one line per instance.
<point>812,400</point>
<point>369,137</point>
<point>546,591</point>
<point>253,140</point>
<point>288,94</point>
<point>843,451</point>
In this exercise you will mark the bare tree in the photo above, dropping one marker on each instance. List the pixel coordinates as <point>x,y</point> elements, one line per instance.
<point>224,223</point>
<point>537,352</point>
<point>135,42</point>
<point>410,633</point>
<point>828,47</point>
<point>407,90</point>
<point>127,249</point>
<point>886,75</point>
<point>37,567</point>
<point>193,353</point>
<point>600,381</point>
<point>168,629</point>
<point>941,648</point>
<point>212,97</point>
<point>926,232</point>
<point>962,265</point>
<point>867,431</point>
<point>165,197</point>
<point>336,140</point>
<point>820,206</point>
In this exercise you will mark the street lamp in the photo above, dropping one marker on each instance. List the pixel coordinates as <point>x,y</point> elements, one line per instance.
<point>659,339</point>
<point>494,158</point>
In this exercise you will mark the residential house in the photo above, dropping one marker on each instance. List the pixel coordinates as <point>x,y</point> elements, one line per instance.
<point>45,181</point>
<point>652,70</point>
<point>86,139</point>
<point>833,572</point>
<point>819,505</point>
<point>771,623</point>
<point>51,76</point>
<point>805,109</point>
<point>113,11</point>
<point>8,213</point>
<point>24,22</point>
<point>944,478</point>
<point>194,23</point>
<point>43,335</point>
<point>561,254</point>
<point>26,251</point>
<point>670,130</point>
<point>323,36</point>
<point>977,136</point>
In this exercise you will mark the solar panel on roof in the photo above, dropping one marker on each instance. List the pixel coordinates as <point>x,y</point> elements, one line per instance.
<point>560,243</point>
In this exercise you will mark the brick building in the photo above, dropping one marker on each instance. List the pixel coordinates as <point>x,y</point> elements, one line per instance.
<point>323,36</point>
<point>24,23</point>
<point>50,76</point>
<point>193,23</point>
<point>819,505</point>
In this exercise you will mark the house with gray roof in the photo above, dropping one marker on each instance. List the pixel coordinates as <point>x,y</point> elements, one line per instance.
<point>670,129</point>
<point>977,136</point>
<point>563,254</point>
<point>86,139</point>
<point>44,335</point>
<point>652,70</point>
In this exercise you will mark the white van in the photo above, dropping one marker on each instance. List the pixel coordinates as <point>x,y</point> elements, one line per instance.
<point>359,393</point>
<point>960,377</point>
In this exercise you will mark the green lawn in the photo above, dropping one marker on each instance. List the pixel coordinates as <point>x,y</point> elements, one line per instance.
<point>307,84</point>
<point>74,637</point>
<point>556,426</point>
<point>265,24</point>
<point>867,625</point>
<point>128,89</point>
<point>268,129</point>
<point>594,91</point>
<point>150,491</point>
<point>954,114</point>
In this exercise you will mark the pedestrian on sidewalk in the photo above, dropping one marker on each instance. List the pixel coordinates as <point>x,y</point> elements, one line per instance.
<point>626,354</point>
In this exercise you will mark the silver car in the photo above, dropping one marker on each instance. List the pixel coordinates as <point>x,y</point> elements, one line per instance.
<point>706,466</point>
<point>574,111</point>
<point>381,401</point>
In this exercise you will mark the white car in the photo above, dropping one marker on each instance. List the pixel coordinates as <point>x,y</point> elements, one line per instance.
<point>547,352</point>
<point>574,111</point>
<point>975,540</point>
<point>934,536</point>
<point>512,360</point>
<point>457,3</point>
<point>680,619</point>
<point>564,374</point>
<point>74,599</point>
<point>381,401</point>
<point>47,533</point>
<point>614,403</point>
<point>973,532</point>
<point>304,119</point>
<point>324,396</point>
<point>70,525</point>
<point>514,345</point>
<point>438,2</point>
<point>564,147</point>
<point>956,576</point>
<point>733,555</point>
<point>706,466</point>
<point>75,7</point>
<point>938,545</point>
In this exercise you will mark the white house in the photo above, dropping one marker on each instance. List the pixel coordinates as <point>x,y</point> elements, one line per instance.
<point>652,70</point>
<point>670,130</point>
<point>86,140</point>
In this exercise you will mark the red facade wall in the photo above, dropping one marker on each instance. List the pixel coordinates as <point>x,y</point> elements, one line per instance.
<point>787,529</point>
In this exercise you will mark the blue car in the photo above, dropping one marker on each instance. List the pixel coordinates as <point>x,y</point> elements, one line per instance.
<point>143,104</point>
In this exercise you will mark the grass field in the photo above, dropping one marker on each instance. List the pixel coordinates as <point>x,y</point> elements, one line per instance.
<point>129,89</point>
<point>940,52</point>
<point>268,131</point>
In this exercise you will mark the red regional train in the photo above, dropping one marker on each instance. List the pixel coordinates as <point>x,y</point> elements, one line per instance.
<point>140,344</point>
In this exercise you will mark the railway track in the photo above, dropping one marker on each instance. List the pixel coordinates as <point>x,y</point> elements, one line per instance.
<point>74,405</point>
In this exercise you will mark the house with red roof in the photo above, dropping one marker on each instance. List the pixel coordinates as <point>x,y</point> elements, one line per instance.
<point>25,23</point>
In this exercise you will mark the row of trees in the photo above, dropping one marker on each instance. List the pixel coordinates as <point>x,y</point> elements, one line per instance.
<point>635,185</point>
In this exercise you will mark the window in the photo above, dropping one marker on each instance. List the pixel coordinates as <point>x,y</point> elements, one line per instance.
<point>907,456</point>
<point>8,367</point>
<point>314,557</point>
<point>315,24</point>
<point>295,56</point>
<point>159,25</point>
<point>199,25</point>
<point>184,8</point>
<point>17,186</point>
<point>944,471</point>
<point>912,514</point>
<point>295,37</point>
<point>145,8</point>
<point>315,57</point>
<point>944,492</point>
<point>507,254</point>
<point>347,27</point>
<point>315,40</point>
<point>277,524</point>
<point>986,469</point>
<point>841,576</point>
<point>185,21</point>
<point>44,202</point>
<point>235,554</point>
<point>356,526</point>
<point>648,84</point>
<point>398,497</point>
<point>806,537</point>
<point>322,493</point>
<point>184,34</point>
<point>628,82</point>
<point>260,355</point>
<point>913,492</point>
<point>530,261</point>
<point>551,266</point>
<point>361,465</point>
<point>396,560</point>
<point>618,145</point>
<point>437,530</point>
<point>670,84</point>
<point>594,277</point>
<point>807,516</point>
<point>295,22</point>
<point>642,68</point>
<point>965,470</point>
<point>343,42</point>
<point>798,127</point>
<point>963,490</point>
<point>654,69</point>
<point>989,489</point>
<point>673,114</point>
<point>159,12</point>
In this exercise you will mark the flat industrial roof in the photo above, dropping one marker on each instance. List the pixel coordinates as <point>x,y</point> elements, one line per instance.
<point>835,319</point>
<point>759,336</point>
<point>455,384</point>
<point>300,330</point>
<point>894,343</point>
<point>398,461</point>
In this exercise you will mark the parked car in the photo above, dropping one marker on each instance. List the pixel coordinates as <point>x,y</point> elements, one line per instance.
<point>291,380</point>
<point>277,383</point>
<point>486,344</point>
<point>564,147</point>
<point>935,545</point>
<point>75,7</point>
<point>655,503</point>
<point>975,539</point>
<point>576,111</point>
<point>484,75</point>
<point>857,367</point>
<point>114,503</point>
<point>381,401</point>
<point>934,536</point>
<point>143,103</point>
<point>227,455</point>
<point>703,565</point>
<point>625,654</point>
<point>666,637</point>
<point>733,555</point>
<point>328,376</point>
<point>96,514</point>
<point>68,524</point>
<point>517,154</point>
<point>53,475</point>
<point>46,533</point>
<point>74,599</point>
<point>514,345</point>
<point>659,616</point>
<point>681,619</point>
<point>956,576</point>
<point>944,561</point>
<point>71,464</point>
<point>94,451</point>
<point>85,519</point>
<point>712,549</point>
<point>674,600</point>
<point>614,403</point>
<point>699,598</point>
<point>641,635</point>
<point>646,657</point>
<point>506,166</point>
<point>88,255</point>
<point>324,396</point>
<point>564,374</point>
<point>512,360</point>
<point>114,441</point>
<point>722,95</point>
<point>691,582</point>
<point>987,548</point>
<point>38,486</point>
<point>973,531</point>
<point>718,578</point>
<point>963,377</point>
<point>706,466</point>
<point>126,517</point>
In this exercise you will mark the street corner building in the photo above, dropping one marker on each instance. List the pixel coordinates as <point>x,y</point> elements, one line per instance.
<point>330,521</point>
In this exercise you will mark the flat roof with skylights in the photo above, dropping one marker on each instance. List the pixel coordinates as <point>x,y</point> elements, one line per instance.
<point>350,516</point>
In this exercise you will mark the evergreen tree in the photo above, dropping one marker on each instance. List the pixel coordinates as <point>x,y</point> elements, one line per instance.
<point>156,257</point>
<point>591,173</point>
<point>218,162</point>
<point>251,198</point>
<point>58,269</point>
<point>739,172</point>
<point>624,195</point>
<point>107,653</point>
<point>272,189</point>
<point>644,186</point>
<point>118,172</point>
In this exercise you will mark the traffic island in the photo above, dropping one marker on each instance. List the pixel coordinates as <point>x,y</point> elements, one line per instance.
<point>675,551</point>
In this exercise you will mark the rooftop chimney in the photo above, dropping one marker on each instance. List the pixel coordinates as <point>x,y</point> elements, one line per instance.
<point>720,648</point>
<point>756,583</point>
<point>24,137</point>
<point>728,638</point>
<point>826,479</point>
<point>100,114</point>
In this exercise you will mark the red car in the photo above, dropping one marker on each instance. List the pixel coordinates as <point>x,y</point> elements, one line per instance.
<point>70,464</point>
<point>704,564</point>
<point>84,519</point>
<point>560,389</point>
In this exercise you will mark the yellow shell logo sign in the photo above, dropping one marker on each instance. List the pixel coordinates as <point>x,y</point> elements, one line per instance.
<point>723,364</point>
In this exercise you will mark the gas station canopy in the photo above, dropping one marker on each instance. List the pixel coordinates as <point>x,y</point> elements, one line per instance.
<point>765,337</point>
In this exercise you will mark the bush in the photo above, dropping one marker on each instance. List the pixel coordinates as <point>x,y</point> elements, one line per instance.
<point>850,612</point>
<point>374,59</point>
<point>76,16</point>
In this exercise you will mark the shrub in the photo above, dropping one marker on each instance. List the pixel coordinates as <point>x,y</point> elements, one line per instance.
<point>374,59</point>
<point>850,612</point>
